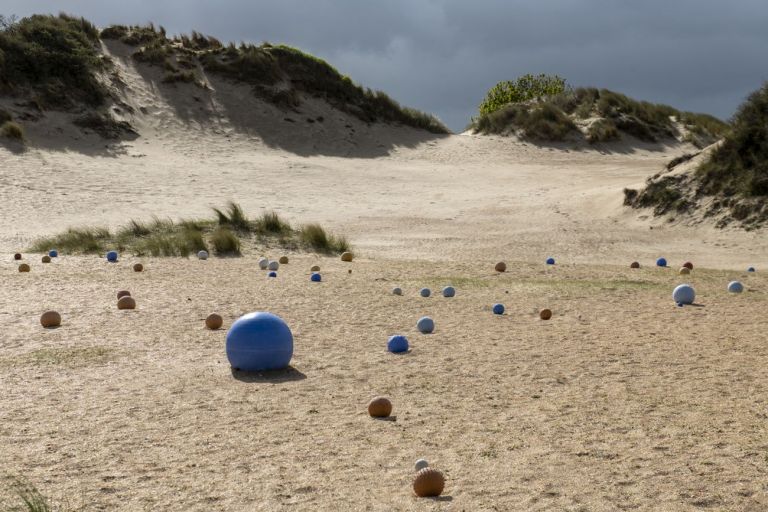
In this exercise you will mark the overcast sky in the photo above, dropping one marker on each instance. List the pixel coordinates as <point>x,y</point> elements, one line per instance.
<point>442,56</point>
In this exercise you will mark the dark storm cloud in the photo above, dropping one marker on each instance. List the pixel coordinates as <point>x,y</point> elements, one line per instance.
<point>441,56</point>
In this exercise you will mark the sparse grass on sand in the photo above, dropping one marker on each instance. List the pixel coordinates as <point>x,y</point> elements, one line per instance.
<point>225,235</point>
<point>28,497</point>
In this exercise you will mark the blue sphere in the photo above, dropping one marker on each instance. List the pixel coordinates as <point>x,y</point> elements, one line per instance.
<point>425,292</point>
<point>272,274</point>
<point>425,325</point>
<point>315,278</point>
<point>53,253</point>
<point>498,309</point>
<point>449,291</point>
<point>751,269</point>
<point>397,291</point>
<point>550,261</point>
<point>397,344</point>
<point>661,262</point>
<point>259,341</point>
<point>684,294</point>
<point>112,256</point>
<point>735,287</point>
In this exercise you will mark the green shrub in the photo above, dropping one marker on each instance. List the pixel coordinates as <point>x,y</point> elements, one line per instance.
<point>523,89</point>
<point>271,222</point>
<point>114,32</point>
<point>156,53</point>
<point>75,240</point>
<point>234,217</point>
<point>225,242</point>
<point>180,76</point>
<point>30,497</point>
<point>12,130</point>
<point>602,130</point>
<point>315,237</point>
<point>180,243</point>
<point>548,123</point>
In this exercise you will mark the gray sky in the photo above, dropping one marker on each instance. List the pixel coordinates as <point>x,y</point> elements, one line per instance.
<point>442,56</point>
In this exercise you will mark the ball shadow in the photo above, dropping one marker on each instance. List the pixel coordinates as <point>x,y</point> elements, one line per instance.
<point>289,374</point>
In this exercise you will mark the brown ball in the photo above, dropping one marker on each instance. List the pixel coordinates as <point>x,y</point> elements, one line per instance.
<point>545,314</point>
<point>428,483</point>
<point>126,302</point>
<point>46,259</point>
<point>17,256</point>
<point>123,293</point>
<point>213,321</point>
<point>634,264</point>
<point>380,407</point>
<point>50,319</point>
<point>283,260</point>
<point>684,271</point>
<point>347,256</point>
<point>688,265</point>
<point>315,268</point>
<point>138,267</point>
<point>501,267</point>
<point>24,268</point>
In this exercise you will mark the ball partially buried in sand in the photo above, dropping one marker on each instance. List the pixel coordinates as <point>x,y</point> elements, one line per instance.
<point>213,321</point>
<point>347,256</point>
<point>202,255</point>
<point>258,342</point>
<point>46,259</point>
<point>735,287</point>
<point>24,268</point>
<point>688,265</point>
<point>316,278</point>
<point>315,268</point>
<point>501,267</point>
<point>17,256</point>
<point>750,269</point>
<point>684,271</point>
<point>634,264</point>
<point>380,407</point>
<point>138,267</point>
<point>283,260</point>
<point>53,253</point>
<point>661,262</point>
<point>428,483</point>
<point>397,290</point>
<point>112,256</point>
<point>397,344</point>
<point>272,274</point>
<point>273,265</point>
<point>50,319</point>
<point>425,325</point>
<point>263,263</point>
<point>684,294</point>
<point>449,291</point>
<point>126,302</point>
<point>421,464</point>
<point>550,261</point>
<point>425,292</point>
<point>123,293</point>
<point>545,314</point>
<point>498,309</point>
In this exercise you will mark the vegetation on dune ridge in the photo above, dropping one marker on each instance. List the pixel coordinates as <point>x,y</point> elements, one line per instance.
<point>542,108</point>
<point>278,73</point>
<point>732,181</point>
<point>224,235</point>
<point>30,499</point>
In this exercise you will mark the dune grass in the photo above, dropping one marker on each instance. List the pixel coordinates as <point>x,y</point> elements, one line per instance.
<point>226,234</point>
<point>29,498</point>
<point>12,130</point>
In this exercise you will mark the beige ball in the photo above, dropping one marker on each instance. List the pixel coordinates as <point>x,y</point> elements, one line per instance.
<point>138,267</point>
<point>545,314</point>
<point>380,407</point>
<point>24,267</point>
<point>50,319</point>
<point>46,259</point>
<point>126,302</point>
<point>428,483</point>
<point>315,268</point>
<point>684,271</point>
<point>283,260</point>
<point>213,321</point>
<point>347,256</point>
<point>501,267</point>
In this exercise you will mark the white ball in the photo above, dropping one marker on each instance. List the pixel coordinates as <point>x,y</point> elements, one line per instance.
<point>684,294</point>
<point>273,265</point>
<point>421,464</point>
<point>202,255</point>
<point>263,262</point>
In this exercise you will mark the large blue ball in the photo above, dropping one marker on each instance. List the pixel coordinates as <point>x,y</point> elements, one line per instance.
<point>397,344</point>
<point>259,341</point>
<point>53,253</point>
<point>112,256</point>
<point>449,291</point>
<point>550,261</point>
<point>498,309</point>
<point>316,278</point>
<point>684,294</point>
<point>661,262</point>
<point>425,325</point>
<point>735,287</point>
<point>425,292</point>
<point>751,269</point>
<point>272,274</point>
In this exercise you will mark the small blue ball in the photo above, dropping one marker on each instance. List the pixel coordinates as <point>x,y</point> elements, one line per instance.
<point>449,291</point>
<point>397,291</point>
<point>684,294</point>
<point>550,261</point>
<point>425,292</point>
<point>425,325</point>
<point>258,342</point>
<point>315,278</point>
<point>272,274</point>
<point>735,287</point>
<point>53,253</point>
<point>661,262</point>
<point>498,309</point>
<point>397,344</point>
<point>112,256</point>
<point>751,269</point>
